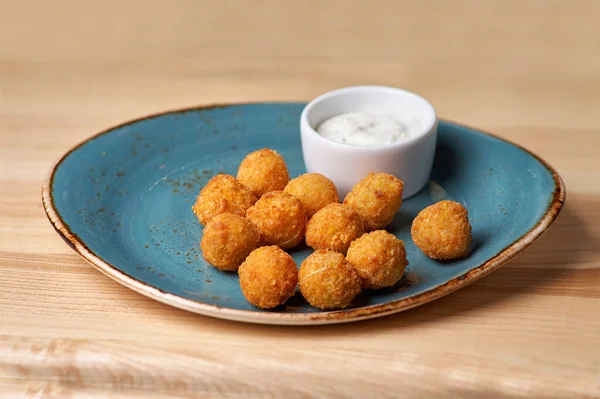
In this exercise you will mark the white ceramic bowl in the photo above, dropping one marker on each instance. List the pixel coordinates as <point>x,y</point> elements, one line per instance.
<point>410,160</point>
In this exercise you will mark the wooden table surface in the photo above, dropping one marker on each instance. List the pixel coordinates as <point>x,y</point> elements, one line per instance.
<point>525,70</point>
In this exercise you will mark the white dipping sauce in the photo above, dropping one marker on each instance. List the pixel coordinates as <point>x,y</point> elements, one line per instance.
<point>367,128</point>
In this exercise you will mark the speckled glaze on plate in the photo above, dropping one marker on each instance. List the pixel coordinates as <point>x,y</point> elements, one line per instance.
<point>122,199</point>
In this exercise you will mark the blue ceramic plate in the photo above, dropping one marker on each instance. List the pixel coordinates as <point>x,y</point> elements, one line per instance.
<point>123,198</point>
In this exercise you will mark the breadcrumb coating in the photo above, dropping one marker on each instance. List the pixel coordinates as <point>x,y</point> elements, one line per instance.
<point>334,228</point>
<point>314,190</point>
<point>227,240</point>
<point>379,258</point>
<point>442,231</point>
<point>281,219</point>
<point>263,171</point>
<point>268,277</point>
<point>377,198</point>
<point>328,281</point>
<point>223,194</point>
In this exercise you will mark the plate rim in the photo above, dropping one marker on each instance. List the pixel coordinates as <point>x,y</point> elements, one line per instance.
<point>325,317</point>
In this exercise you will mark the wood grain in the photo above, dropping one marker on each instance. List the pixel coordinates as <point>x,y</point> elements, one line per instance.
<point>526,70</point>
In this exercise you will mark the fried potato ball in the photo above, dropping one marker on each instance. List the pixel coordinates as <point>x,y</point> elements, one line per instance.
<point>227,240</point>
<point>379,258</point>
<point>268,277</point>
<point>377,199</point>
<point>281,219</point>
<point>263,171</point>
<point>442,231</point>
<point>314,190</point>
<point>328,281</point>
<point>223,194</point>
<point>334,227</point>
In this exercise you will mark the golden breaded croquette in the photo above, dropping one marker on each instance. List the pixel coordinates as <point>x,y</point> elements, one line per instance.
<point>379,258</point>
<point>280,218</point>
<point>268,277</point>
<point>223,194</point>
<point>334,227</point>
<point>314,190</point>
<point>442,231</point>
<point>328,281</point>
<point>227,240</point>
<point>263,171</point>
<point>377,199</point>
